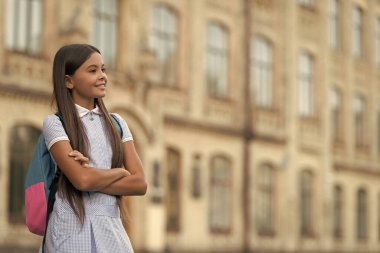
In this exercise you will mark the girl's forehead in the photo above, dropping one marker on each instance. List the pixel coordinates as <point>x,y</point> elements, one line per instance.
<point>94,59</point>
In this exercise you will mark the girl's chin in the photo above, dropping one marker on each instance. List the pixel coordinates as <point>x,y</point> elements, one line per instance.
<point>100,95</point>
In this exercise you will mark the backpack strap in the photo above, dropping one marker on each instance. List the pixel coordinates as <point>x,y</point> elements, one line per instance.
<point>53,189</point>
<point>50,204</point>
<point>117,124</point>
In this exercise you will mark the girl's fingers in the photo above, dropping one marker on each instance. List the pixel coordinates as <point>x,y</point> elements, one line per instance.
<point>78,156</point>
<point>74,153</point>
<point>81,159</point>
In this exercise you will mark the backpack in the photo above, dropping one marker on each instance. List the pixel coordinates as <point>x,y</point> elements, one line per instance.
<point>41,185</point>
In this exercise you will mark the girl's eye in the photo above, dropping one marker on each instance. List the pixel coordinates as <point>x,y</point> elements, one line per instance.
<point>92,70</point>
<point>104,70</point>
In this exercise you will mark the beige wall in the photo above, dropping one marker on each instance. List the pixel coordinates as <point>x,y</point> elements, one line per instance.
<point>187,119</point>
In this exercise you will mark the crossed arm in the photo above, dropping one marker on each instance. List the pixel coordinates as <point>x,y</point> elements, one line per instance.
<point>116,181</point>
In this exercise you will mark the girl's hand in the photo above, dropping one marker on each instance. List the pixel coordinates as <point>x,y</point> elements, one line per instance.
<point>78,156</point>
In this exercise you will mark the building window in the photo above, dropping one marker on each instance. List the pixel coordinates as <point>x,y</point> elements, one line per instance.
<point>104,32</point>
<point>196,176</point>
<point>378,41</point>
<point>361,212</point>
<point>359,110</point>
<point>306,2</point>
<point>334,24</point>
<point>358,32</point>
<point>336,114</point>
<point>217,60</point>
<point>24,24</point>
<point>265,200</point>
<point>261,72</point>
<point>173,200</point>
<point>378,127</point>
<point>306,203</point>
<point>378,218</point>
<point>156,182</point>
<point>220,195</point>
<point>305,85</point>
<point>24,140</point>
<point>338,213</point>
<point>163,42</point>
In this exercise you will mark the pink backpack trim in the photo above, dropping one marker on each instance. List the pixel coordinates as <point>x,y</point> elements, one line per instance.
<point>36,211</point>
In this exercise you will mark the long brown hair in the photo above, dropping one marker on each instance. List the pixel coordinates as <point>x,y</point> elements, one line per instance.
<point>66,61</point>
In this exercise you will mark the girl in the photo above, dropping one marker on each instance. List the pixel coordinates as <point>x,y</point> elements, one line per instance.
<point>91,156</point>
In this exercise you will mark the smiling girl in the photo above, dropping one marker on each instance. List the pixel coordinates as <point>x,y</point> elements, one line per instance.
<point>97,164</point>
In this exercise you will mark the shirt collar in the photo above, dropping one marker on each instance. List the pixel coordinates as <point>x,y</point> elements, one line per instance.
<point>83,111</point>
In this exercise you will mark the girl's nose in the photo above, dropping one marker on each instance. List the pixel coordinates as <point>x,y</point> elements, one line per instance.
<point>103,75</point>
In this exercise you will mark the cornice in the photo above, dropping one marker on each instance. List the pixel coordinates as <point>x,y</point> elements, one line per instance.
<point>224,130</point>
<point>357,168</point>
<point>208,127</point>
<point>16,91</point>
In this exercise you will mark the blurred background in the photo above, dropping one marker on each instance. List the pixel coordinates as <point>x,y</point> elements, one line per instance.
<point>257,121</point>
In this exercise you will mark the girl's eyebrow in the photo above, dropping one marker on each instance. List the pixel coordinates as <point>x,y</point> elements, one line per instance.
<point>94,65</point>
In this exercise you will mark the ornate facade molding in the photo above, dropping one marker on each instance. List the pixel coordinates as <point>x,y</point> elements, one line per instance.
<point>15,91</point>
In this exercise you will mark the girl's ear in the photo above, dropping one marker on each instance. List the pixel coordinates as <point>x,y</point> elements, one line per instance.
<point>69,82</point>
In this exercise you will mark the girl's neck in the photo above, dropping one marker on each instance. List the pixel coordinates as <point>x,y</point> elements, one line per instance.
<point>89,105</point>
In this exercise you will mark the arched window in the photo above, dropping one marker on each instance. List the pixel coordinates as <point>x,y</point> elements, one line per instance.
<point>334,23</point>
<point>305,85</point>
<point>377,41</point>
<point>306,202</point>
<point>261,69</point>
<point>336,114</point>
<point>104,32</point>
<point>338,212</point>
<point>378,126</point>
<point>220,195</point>
<point>361,214</point>
<point>173,201</point>
<point>24,25</point>
<point>359,117</point>
<point>357,40</point>
<point>217,60</point>
<point>23,141</point>
<point>378,217</point>
<point>265,200</point>
<point>163,41</point>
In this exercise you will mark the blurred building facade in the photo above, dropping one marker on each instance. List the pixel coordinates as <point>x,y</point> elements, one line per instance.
<point>257,121</point>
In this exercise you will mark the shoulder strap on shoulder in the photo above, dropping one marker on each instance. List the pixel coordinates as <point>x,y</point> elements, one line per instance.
<point>117,124</point>
<point>60,117</point>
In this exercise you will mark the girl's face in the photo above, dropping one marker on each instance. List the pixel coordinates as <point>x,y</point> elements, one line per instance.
<point>88,82</point>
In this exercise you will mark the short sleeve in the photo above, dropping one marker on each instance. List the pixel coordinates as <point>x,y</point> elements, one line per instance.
<point>53,130</point>
<point>127,135</point>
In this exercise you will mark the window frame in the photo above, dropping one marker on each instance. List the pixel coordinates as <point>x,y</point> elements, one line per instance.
<point>334,24</point>
<point>164,43</point>
<point>336,104</point>
<point>359,108</point>
<point>19,32</point>
<point>24,139</point>
<point>377,27</point>
<point>265,223</point>
<point>306,203</point>
<point>338,220</point>
<point>220,185</point>
<point>305,81</point>
<point>261,71</point>
<point>105,28</point>
<point>174,189</point>
<point>357,33</point>
<point>362,214</point>
<point>217,60</point>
